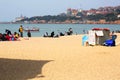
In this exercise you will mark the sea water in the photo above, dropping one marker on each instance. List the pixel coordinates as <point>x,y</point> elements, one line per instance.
<point>77,28</point>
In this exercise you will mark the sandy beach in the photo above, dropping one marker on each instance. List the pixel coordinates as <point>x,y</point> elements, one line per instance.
<point>62,58</point>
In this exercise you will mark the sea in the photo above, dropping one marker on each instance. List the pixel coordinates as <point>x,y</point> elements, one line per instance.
<point>43,28</point>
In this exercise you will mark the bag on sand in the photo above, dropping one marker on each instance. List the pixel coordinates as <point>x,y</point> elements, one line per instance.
<point>109,43</point>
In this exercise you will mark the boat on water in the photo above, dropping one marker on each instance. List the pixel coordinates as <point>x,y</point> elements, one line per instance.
<point>31,29</point>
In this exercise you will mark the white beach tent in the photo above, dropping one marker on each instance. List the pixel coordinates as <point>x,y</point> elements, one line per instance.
<point>98,36</point>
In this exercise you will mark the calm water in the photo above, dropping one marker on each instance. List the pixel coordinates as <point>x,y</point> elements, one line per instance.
<point>77,28</point>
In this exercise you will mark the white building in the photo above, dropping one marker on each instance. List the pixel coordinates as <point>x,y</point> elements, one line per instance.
<point>118,16</point>
<point>20,18</point>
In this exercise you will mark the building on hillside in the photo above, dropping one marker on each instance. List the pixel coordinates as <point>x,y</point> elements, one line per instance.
<point>69,12</point>
<point>74,12</point>
<point>17,19</point>
<point>91,12</point>
<point>118,16</point>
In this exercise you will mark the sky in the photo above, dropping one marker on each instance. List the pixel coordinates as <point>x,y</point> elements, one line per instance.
<point>10,9</point>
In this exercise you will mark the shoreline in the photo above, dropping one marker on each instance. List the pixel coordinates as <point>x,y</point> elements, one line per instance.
<point>59,23</point>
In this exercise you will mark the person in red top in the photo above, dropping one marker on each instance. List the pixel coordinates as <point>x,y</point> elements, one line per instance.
<point>7,37</point>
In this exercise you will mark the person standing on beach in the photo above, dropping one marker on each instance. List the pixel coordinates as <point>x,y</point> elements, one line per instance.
<point>21,31</point>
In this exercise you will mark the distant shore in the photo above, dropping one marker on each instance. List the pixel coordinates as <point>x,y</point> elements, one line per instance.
<point>59,23</point>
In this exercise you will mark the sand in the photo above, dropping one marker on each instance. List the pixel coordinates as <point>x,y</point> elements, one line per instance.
<point>61,58</point>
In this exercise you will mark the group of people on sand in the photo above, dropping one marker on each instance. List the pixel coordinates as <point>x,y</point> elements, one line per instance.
<point>69,32</point>
<point>51,35</point>
<point>21,29</point>
<point>9,36</point>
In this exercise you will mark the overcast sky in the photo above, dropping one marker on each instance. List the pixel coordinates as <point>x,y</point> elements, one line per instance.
<point>10,9</point>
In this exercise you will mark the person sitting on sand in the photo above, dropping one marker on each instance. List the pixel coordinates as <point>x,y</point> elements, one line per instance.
<point>113,37</point>
<point>29,33</point>
<point>61,34</point>
<point>70,31</point>
<point>52,34</point>
<point>7,37</point>
<point>1,36</point>
<point>8,32</point>
<point>16,35</point>
<point>46,34</point>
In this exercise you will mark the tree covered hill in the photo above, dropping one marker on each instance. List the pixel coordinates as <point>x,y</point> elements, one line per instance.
<point>106,13</point>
